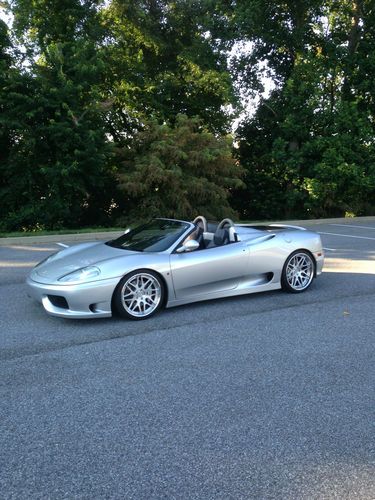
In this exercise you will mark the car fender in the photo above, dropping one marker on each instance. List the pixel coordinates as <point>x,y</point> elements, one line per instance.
<point>118,267</point>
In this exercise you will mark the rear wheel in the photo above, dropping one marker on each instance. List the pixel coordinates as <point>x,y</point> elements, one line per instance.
<point>298,272</point>
<point>139,295</point>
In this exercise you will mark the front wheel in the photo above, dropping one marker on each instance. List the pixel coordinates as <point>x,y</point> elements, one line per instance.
<point>298,272</point>
<point>139,295</point>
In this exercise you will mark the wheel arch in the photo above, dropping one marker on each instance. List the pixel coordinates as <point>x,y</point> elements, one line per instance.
<point>143,269</point>
<point>283,280</point>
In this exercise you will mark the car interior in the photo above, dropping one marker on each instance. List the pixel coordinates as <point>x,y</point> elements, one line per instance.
<point>223,234</point>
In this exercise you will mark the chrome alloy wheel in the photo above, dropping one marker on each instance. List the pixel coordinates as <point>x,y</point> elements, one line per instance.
<point>141,295</point>
<point>300,271</point>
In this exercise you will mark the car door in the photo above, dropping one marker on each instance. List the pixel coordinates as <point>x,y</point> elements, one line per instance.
<point>210,270</point>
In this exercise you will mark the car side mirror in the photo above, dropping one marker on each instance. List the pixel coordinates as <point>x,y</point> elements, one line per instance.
<point>189,246</point>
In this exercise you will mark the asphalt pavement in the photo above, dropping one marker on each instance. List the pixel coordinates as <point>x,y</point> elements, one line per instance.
<point>266,396</point>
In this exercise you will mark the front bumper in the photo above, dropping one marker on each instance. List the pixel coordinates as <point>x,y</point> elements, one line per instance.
<point>84,300</point>
<point>319,259</point>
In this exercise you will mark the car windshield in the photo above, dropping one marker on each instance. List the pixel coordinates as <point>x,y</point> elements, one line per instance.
<point>155,236</point>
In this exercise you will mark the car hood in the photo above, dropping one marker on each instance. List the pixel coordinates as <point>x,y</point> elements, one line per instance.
<point>74,258</point>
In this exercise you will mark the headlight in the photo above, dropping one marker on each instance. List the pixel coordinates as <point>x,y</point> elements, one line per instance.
<point>84,274</point>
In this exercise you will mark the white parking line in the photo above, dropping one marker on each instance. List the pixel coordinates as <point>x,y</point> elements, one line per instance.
<point>62,245</point>
<point>343,265</point>
<point>349,236</point>
<point>352,225</point>
<point>330,249</point>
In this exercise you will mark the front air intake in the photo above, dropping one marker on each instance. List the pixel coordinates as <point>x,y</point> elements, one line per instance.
<point>58,301</point>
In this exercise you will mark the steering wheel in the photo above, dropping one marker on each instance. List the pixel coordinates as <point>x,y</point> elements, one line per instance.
<point>203,220</point>
<point>225,222</point>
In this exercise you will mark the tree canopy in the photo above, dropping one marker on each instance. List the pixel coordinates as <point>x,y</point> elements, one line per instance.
<point>118,109</point>
<point>309,147</point>
<point>179,171</point>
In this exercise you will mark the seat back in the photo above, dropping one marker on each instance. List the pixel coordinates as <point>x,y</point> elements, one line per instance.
<point>221,237</point>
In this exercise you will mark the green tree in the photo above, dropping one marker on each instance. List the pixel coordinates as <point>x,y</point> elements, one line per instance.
<point>179,171</point>
<point>16,179</point>
<point>90,75</point>
<point>309,148</point>
<point>58,170</point>
<point>162,63</point>
<point>5,62</point>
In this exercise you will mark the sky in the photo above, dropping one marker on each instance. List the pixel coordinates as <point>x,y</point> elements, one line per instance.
<point>4,16</point>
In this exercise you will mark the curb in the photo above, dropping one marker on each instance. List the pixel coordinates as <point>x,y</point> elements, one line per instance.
<point>78,237</point>
<point>338,220</point>
<point>54,238</point>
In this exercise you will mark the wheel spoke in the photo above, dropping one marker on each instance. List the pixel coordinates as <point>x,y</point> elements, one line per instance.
<point>299,271</point>
<point>147,283</point>
<point>131,305</point>
<point>141,294</point>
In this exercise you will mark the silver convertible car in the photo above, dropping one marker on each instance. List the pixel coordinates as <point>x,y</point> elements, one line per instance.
<point>166,263</point>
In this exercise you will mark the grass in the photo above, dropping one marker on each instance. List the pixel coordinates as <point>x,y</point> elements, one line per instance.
<point>15,234</point>
<point>99,229</point>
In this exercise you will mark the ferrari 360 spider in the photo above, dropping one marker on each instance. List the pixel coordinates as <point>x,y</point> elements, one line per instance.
<point>166,263</point>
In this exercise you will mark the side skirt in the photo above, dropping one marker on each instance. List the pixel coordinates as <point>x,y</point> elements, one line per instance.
<point>227,293</point>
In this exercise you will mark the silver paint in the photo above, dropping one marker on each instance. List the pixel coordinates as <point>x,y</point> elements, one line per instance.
<point>253,264</point>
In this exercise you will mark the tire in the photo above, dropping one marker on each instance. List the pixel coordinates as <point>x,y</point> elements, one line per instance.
<point>139,295</point>
<point>298,272</point>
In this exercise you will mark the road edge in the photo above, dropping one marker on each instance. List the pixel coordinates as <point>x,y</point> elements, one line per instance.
<point>79,237</point>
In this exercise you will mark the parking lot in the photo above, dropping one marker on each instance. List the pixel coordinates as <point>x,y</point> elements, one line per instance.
<point>264,396</point>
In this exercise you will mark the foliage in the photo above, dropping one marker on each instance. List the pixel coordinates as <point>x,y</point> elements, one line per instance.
<point>179,171</point>
<point>84,77</point>
<point>5,62</point>
<point>161,63</point>
<point>309,148</point>
<point>92,95</point>
<point>58,169</point>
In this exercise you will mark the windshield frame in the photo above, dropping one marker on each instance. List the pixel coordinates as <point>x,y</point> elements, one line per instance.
<point>168,250</point>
